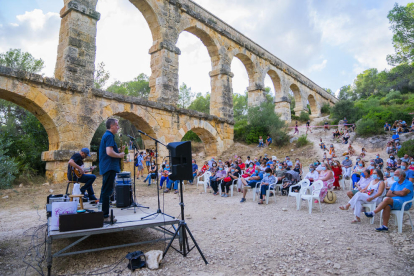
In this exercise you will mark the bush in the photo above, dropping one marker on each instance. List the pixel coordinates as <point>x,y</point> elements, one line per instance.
<point>407,148</point>
<point>302,141</point>
<point>368,126</point>
<point>191,136</point>
<point>8,166</point>
<point>326,109</point>
<point>304,116</point>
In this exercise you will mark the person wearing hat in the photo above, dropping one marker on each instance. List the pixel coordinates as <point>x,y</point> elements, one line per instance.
<point>76,162</point>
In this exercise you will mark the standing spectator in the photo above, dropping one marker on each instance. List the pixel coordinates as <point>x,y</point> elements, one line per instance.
<point>261,142</point>
<point>308,127</point>
<point>147,160</point>
<point>296,129</point>
<point>139,164</point>
<point>268,141</point>
<point>400,192</point>
<point>195,170</point>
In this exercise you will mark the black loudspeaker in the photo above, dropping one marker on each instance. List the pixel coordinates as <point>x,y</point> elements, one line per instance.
<point>180,161</point>
<point>123,195</point>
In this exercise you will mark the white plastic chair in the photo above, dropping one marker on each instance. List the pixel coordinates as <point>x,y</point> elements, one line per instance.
<point>399,215</point>
<point>233,183</point>
<point>271,190</point>
<point>371,206</point>
<point>343,180</point>
<point>316,190</point>
<point>256,189</point>
<point>304,186</point>
<point>205,181</point>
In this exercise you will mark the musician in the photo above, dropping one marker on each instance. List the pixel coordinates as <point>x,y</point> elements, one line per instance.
<point>109,164</point>
<point>76,162</point>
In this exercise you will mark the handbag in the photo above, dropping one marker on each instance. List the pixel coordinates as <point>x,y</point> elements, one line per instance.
<point>330,197</point>
<point>227,179</point>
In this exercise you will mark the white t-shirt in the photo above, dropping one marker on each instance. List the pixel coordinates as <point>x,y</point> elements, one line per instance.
<point>314,175</point>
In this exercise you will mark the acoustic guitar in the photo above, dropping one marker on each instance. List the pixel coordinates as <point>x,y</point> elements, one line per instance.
<point>79,174</point>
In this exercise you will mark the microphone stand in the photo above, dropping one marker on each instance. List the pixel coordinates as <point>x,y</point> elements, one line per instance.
<point>134,204</point>
<point>158,212</point>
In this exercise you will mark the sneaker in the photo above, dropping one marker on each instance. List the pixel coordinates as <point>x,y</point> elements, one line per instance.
<point>225,195</point>
<point>242,200</point>
<point>370,215</point>
<point>166,191</point>
<point>176,192</point>
<point>92,197</point>
<point>145,181</point>
<point>382,229</point>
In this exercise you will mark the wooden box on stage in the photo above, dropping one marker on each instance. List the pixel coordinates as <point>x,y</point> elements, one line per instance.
<point>80,221</point>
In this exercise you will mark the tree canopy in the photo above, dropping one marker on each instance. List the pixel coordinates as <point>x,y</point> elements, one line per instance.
<point>24,61</point>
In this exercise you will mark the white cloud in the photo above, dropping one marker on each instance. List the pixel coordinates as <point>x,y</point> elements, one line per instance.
<point>35,32</point>
<point>318,67</point>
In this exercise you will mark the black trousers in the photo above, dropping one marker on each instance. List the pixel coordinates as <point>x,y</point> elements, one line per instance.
<point>225,186</point>
<point>106,192</point>
<point>214,185</point>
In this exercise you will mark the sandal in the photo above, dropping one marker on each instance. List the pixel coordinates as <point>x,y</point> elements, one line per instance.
<point>355,221</point>
<point>343,208</point>
<point>260,202</point>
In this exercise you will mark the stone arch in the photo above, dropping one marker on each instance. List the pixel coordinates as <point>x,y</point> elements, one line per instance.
<point>41,107</point>
<point>313,105</point>
<point>208,41</point>
<point>297,93</point>
<point>277,83</point>
<point>249,65</point>
<point>208,135</point>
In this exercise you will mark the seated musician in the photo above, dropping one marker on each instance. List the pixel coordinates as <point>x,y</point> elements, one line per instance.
<point>75,166</point>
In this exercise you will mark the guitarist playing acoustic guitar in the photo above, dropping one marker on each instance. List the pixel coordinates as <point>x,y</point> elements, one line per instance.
<point>77,172</point>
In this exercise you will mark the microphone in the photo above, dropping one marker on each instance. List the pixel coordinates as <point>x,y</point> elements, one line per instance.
<point>142,132</point>
<point>130,137</point>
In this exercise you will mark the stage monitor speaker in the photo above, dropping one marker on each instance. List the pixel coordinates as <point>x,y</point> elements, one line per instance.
<point>180,161</point>
<point>123,195</point>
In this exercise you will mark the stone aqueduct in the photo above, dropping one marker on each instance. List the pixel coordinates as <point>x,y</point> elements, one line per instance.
<point>71,110</point>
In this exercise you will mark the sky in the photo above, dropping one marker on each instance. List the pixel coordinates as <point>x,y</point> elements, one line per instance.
<point>329,41</point>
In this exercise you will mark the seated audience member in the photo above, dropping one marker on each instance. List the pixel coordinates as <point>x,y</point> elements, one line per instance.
<point>379,162</point>
<point>363,153</point>
<point>395,137</point>
<point>170,184</point>
<point>288,162</point>
<point>268,182</point>
<point>326,126</point>
<point>411,167</point>
<point>390,148</point>
<point>405,158</point>
<point>363,182</point>
<point>247,162</point>
<point>324,156</point>
<point>233,174</point>
<point>298,166</point>
<point>241,165</point>
<point>322,145</point>
<point>251,182</point>
<point>337,170</point>
<point>280,173</point>
<point>351,150</point>
<point>210,162</point>
<point>249,171</point>
<point>260,142</point>
<point>391,161</point>
<point>400,192</point>
<point>265,158</point>
<point>389,178</point>
<point>205,168</point>
<point>195,171</point>
<point>164,175</point>
<point>409,173</point>
<point>372,165</point>
<point>312,175</point>
<point>347,166</point>
<point>374,192</point>
<point>398,166</point>
<point>387,127</point>
<point>263,166</point>
<point>327,177</point>
<point>220,175</point>
<point>397,147</point>
<point>256,162</point>
<point>153,173</point>
<point>268,141</point>
<point>227,166</point>
<point>357,171</point>
<point>346,137</point>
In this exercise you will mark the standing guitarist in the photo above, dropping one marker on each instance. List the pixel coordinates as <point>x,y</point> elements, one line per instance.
<point>76,172</point>
<point>109,164</point>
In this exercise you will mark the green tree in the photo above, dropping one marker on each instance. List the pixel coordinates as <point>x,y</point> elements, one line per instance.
<point>201,103</point>
<point>185,95</point>
<point>138,87</point>
<point>366,83</point>
<point>24,61</point>
<point>345,92</point>
<point>240,106</point>
<point>330,91</point>
<point>101,76</point>
<point>402,24</point>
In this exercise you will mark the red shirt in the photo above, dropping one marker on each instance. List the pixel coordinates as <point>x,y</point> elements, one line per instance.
<point>242,166</point>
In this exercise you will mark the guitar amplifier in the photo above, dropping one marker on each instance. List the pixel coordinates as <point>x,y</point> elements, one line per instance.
<point>123,195</point>
<point>73,222</point>
<point>123,175</point>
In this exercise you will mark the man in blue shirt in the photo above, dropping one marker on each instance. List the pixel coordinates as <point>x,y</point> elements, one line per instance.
<point>256,177</point>
<point>140,165</point>
<point>268,141</point>
<point>400,192</point>
<point>195,171</point>
<point>409,174</point>
<point>109,164</point>
<point>395,137</point>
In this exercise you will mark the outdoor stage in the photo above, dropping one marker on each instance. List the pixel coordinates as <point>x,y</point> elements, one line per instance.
<point>127,220</point>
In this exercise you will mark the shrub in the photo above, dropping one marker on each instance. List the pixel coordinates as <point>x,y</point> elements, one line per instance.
<point>304,116</point>
<point>407,148</point>
<point>8,166</point>
<point>368,126</point>
<point>302,141</point>
<point>191,136</point>
<point>326,109</point>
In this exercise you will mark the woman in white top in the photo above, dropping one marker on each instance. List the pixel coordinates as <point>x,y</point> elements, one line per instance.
<point>389,179</point>
<point>374,192</point>
<point>312,175</point>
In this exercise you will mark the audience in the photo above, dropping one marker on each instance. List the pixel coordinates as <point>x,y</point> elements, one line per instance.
<point>268,182</point>
<point>312,175</point>
<point>327,177</point>
<point>220,175</point>
<point>364,180</point>
<point>400,192</point>
<point>358,169</point>
<point>374,192</point>
<point>347,166</point>
<point>337,170</point>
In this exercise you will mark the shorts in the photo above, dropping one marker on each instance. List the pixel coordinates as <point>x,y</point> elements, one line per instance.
<point>140,168</point>
<point>355,191</point>
<point>251,184</point>
<point>147,163</point>
<point>397,204</point>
